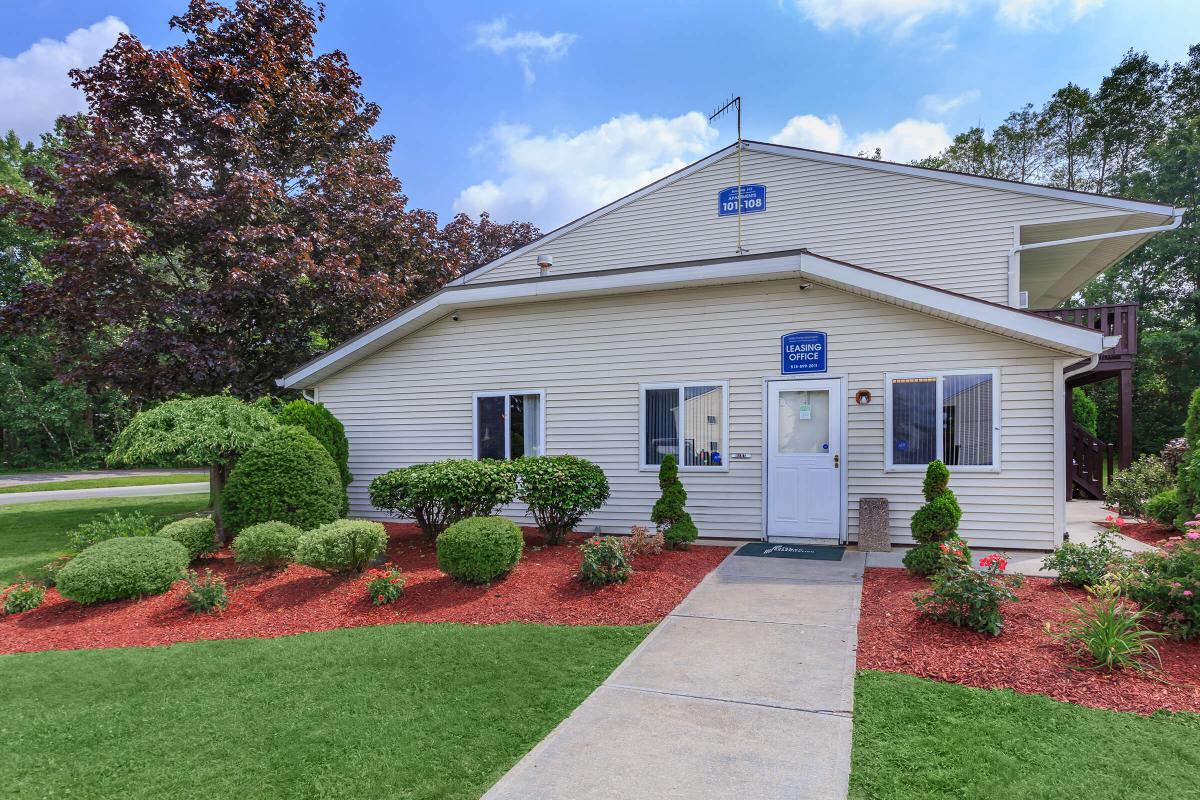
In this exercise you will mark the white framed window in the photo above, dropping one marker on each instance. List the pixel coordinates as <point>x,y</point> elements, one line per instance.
<point>689,420</point>
<point>952,415</point>
<point>509,424</point>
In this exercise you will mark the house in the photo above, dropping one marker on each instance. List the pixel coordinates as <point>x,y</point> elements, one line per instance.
<point>819,342</point>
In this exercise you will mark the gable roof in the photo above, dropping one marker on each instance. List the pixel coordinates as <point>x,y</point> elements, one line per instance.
<point>1123,204</point>
<point>801,264</point>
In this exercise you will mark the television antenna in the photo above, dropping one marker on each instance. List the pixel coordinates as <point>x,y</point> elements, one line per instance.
<point>735,103</point>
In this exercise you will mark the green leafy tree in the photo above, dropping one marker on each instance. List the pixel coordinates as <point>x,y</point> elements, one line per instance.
<point>1083,410</point>
<point>211,432</point>
<point>326,429</point>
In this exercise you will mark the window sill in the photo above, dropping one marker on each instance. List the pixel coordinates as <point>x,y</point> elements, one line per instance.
<point>654,469</point>
<point>920,468</point>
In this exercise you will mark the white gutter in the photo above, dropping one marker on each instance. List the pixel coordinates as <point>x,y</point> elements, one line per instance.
<point>1088,367</point>
<point>1014,270</point>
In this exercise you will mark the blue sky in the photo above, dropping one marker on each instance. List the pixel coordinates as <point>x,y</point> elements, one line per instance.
<point>544,111</point>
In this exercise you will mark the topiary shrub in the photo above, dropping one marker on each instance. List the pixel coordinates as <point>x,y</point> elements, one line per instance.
<point>479,549</point>
<point>937,480</point>
<point>938,519</point>
<point>560,491</point>
<point>604,561</point>
<point>347,545</point>
<point>109,526</point>
<point>268,544</point>
<point>1129,489</point>
<point>1165,507</point>
<point>123,568</point>
<point>286,477</point>
<point>326,429</point>
<point>934,557</point>
<point>197,534</point>
<point>438,495</point>
<point>674,523</point>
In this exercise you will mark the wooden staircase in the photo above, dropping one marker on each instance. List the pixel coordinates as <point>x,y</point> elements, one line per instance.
<point>1091,460</point>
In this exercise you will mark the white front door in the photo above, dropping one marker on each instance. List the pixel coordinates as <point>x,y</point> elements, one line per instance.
<point>804,441</point>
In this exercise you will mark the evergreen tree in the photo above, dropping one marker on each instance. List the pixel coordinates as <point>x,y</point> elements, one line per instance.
<point>668,513</point>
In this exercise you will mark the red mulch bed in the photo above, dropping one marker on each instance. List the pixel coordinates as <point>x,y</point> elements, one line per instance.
<point>1154,533</point>
<point>542,589</point>
<point>892,637</point>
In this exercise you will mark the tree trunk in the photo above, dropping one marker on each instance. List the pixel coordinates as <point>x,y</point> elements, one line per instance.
<point>216,484</point>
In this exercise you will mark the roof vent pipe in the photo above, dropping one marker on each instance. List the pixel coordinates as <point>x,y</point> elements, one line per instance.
<point>545,261</point>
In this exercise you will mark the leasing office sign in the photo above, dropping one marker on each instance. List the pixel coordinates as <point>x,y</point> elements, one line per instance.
<point>802,352</point>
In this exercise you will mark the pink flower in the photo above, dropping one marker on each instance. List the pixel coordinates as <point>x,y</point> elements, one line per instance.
<point>1120,522</point>
<point>1193,534</point>
<point>1187,592</point>
<point>1109,518</point>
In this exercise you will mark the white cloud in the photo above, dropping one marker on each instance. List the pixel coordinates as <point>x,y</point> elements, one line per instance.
<point>34,87</point>
<point>940,104</point>
<point>905,141</point>
<point>556,178</point>
<point>527,45</point>
<point>901,16</point>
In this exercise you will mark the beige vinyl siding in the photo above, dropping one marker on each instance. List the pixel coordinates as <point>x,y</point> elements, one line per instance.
<point>947,235</point>
<point>412,402</point>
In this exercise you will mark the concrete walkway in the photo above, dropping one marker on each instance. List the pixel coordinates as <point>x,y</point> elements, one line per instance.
<point>111,491</point>
<point>745,690</point>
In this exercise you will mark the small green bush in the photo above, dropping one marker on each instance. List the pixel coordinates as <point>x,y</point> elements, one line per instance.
<point>604,561</point>
<point>126,567</point>
<point>1079,564</point>
<point>1169,586</point>
<point>479,549</point>
<point>267,544</point>
<point>1129,489</point>
<point>1165,507</point>
<point>109,526</point>
<point>386,585</point>
<point>197,534</point>
<point>286,476</point>
<point>970,598</point>
<point>931,558</point>
<point>206,595</point>
<point>438,495</point>
<point>23,596</point>
<point>1084,410</point>
<point>674,523</point>
<point>347,545</point>
<point>326,429</point>
<point>560,491</point>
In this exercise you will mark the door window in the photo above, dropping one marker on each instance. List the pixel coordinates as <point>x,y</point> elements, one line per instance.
<point>803,422</point>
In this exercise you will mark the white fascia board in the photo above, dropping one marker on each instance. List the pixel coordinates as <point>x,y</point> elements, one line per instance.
<point>542,243</point>
<point>1105,201</point>
<point>493,294</point>
<point>955,307</point>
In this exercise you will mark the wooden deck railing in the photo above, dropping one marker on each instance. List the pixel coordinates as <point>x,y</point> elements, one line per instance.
<point>1091,462</point>
<point>1113,320</point>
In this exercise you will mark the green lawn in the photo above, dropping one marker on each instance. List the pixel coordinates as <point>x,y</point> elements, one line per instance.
<point>399,711</point>
<point>102,483</point>
<point>917,739</point>
<point>31,534</point>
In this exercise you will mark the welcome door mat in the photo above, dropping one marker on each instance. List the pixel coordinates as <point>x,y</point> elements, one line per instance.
<point>814,552</point>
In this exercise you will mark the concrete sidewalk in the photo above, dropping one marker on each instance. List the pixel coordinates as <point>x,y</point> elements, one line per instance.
<point>110,491</point>
<point>745,690</point>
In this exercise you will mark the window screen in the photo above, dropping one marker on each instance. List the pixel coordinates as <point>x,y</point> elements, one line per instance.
<point>508,425</point>
<point>962,434</point>
<point>684,420</point>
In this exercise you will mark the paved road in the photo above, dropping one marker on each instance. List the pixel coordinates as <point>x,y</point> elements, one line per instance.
<point>111,491</point>
<point>745,690</point>
<point>25,478</point>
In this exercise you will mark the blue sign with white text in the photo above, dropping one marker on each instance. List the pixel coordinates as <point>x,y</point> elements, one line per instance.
<point>754,198</point>
<point>802,351</point>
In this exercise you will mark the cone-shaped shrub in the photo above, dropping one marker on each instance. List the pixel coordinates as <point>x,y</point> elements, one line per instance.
<point>935,522</point>
<point>668,513</point>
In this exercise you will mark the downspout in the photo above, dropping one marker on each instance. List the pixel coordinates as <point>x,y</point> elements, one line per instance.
<point>1088,367</point>
<point>1014,270</point>
<point>305,394</point>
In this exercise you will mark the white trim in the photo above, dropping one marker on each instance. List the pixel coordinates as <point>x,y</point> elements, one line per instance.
<point>1010,322</point>
<point>539,244</point>
<point>939,427</point>
<point>507,393</point>
<point>681,385</point>
<point>841,378</point>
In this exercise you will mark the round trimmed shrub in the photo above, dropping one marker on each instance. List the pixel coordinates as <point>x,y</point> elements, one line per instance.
<point>287,476</point>
<point>121,568</point>
<point>479,549</point>
<point>560,491</point>
<point>347,545</point>
<point>937,520</point>
<point>197,534</point>
<point>1165,507</point>
<point>326,429</point>
<point>929,558</point>
<point>440,494</point>
<point>267,544</point>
